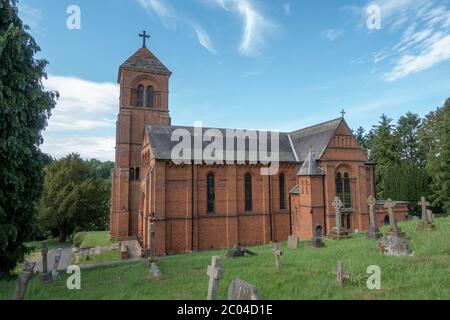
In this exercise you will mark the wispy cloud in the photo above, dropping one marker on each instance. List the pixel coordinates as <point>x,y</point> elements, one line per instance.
<point>257,26</point>
<point>32,17</point>
<point>424,27</point>
<point>170,18</point>
<point>83,119</point>
<point>332,34</point>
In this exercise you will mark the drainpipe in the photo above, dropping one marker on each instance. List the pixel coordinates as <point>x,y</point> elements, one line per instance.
<point>324,208</point>
<point>290,215</point>
<point>270,208</point>
<point>192,206</point>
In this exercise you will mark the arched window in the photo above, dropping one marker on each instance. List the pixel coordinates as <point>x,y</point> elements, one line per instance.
<point>347,194</point>
<point>150,97</point>
<point>136,174</point>
<point>248,193</point>
<point>343,191</point>
<point>319,232</point>
<point>140,96</point>
<point>131,173</point>
<point>211,194</point>
<point>282,186</point>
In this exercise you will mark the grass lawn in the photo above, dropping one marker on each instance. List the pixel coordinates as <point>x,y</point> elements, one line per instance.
<point>105,256</point>
<point>96,238</point>
<point>305,273</point>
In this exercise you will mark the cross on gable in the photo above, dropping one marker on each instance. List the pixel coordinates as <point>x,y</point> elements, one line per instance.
<point>337,204</point>
<point>341,275</point>
<point>215,270</point>
<point>343,113</point>
<point>144,37</point>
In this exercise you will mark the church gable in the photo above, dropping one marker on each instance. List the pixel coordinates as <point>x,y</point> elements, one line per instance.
<point>344,146</point>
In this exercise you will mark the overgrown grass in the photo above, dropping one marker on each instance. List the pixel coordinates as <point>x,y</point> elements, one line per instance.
<point>95,238</point>
<point>105,256</point>
<point>305,273</point>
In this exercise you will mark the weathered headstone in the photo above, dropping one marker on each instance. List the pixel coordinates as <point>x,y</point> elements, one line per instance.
<point>292,242</point>
<point>393,228</point>
<point>277,253</point>
<point>215,273</point>
<point>427,216</point>
<point>154,270</point>
<point>241,290</point>
<point>341,275</point>
<point>237,251</point>
<point>44,252</point>
<point>56,263</point>
<point>98,250</point>
<point>392,245</point>
<point>373,232</point>
<point>77,258</point>
<point>338,231</point>
<point>22,282</point>
<point>92,252</point>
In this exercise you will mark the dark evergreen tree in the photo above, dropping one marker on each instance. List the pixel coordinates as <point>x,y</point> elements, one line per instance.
<point>24,110</point>
<point>407,134</point>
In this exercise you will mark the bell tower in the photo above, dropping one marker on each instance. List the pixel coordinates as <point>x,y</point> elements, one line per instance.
<point>144,100</point>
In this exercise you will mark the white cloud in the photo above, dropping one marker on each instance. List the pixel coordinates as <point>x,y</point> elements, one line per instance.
<point>83,119</point>
<point>256,25</point>
<point>332,34</point>
<point>424,26</point>
<point>171,19</point>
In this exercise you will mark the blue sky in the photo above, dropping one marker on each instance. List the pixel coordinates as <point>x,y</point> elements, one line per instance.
<point>279,64</point>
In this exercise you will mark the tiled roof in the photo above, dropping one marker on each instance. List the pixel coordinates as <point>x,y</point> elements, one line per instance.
<point>144,60</point>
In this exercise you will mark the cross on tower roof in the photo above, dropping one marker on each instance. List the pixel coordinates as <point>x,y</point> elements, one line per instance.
<point>144,37</point>
<point>343,113</point>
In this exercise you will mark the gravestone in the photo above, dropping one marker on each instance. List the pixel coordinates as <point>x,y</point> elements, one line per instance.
<point>22,281</point>
<point>154,270</point>
<point>92,252</point>
<point>393,228</point>
<point>338,232</point>
<point>427,216</point>
<point>215,273</point>
<point>44,252</point>
<point>393,245</point>
<point>77,258</point>
<point>373,232</point>
<point>241,290</point>
<point>237,252</point>
<point>55,264</point>
<point>341,275</point>
<point>97,250</point>
<point>292,242</point>
<point>277,253</point>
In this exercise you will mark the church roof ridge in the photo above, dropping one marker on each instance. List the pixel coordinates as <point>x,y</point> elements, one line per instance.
<point>314,126</point>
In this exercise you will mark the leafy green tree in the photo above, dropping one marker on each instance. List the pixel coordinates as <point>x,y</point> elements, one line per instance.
<point>101,169</point>
<point>73,199</point>
<point>24,110</point>
<point>438,137</point>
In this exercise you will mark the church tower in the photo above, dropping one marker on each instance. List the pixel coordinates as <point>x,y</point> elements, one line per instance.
<point>144,90</point>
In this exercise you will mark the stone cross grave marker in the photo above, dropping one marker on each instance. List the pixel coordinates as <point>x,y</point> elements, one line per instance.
<point>215,273</point>
<point>424,204</point>
<point>341,275</point>
<point>23,280</point>
<point>241,290</point>
<point>337,205</point>
<point>374,232</point>
<point>44,252</point>
<point>55,264</point>
<point>277,253</point>
<point>390,205</point>
<point>292,242</point>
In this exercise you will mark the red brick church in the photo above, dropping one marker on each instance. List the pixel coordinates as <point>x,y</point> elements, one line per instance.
<point>174,208</point>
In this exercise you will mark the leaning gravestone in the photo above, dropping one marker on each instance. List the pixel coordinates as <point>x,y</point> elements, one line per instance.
<point>393,243</point>
<point>292,242</point>
<point>238,252</point>
<point>241,290</point>
<point>427,216</point>
<point>23,280</point>
<point>341,275</point>
<point>55,273</point>
<point>373,233</point>
<point>277,253</point>
<point>215,273</point>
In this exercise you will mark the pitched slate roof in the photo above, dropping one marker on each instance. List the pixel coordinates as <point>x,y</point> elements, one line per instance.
<point>309,167</point>
<point>316,137</point>
<point>294,147</point>
<point>145,61</point>
<point>162,145</point>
